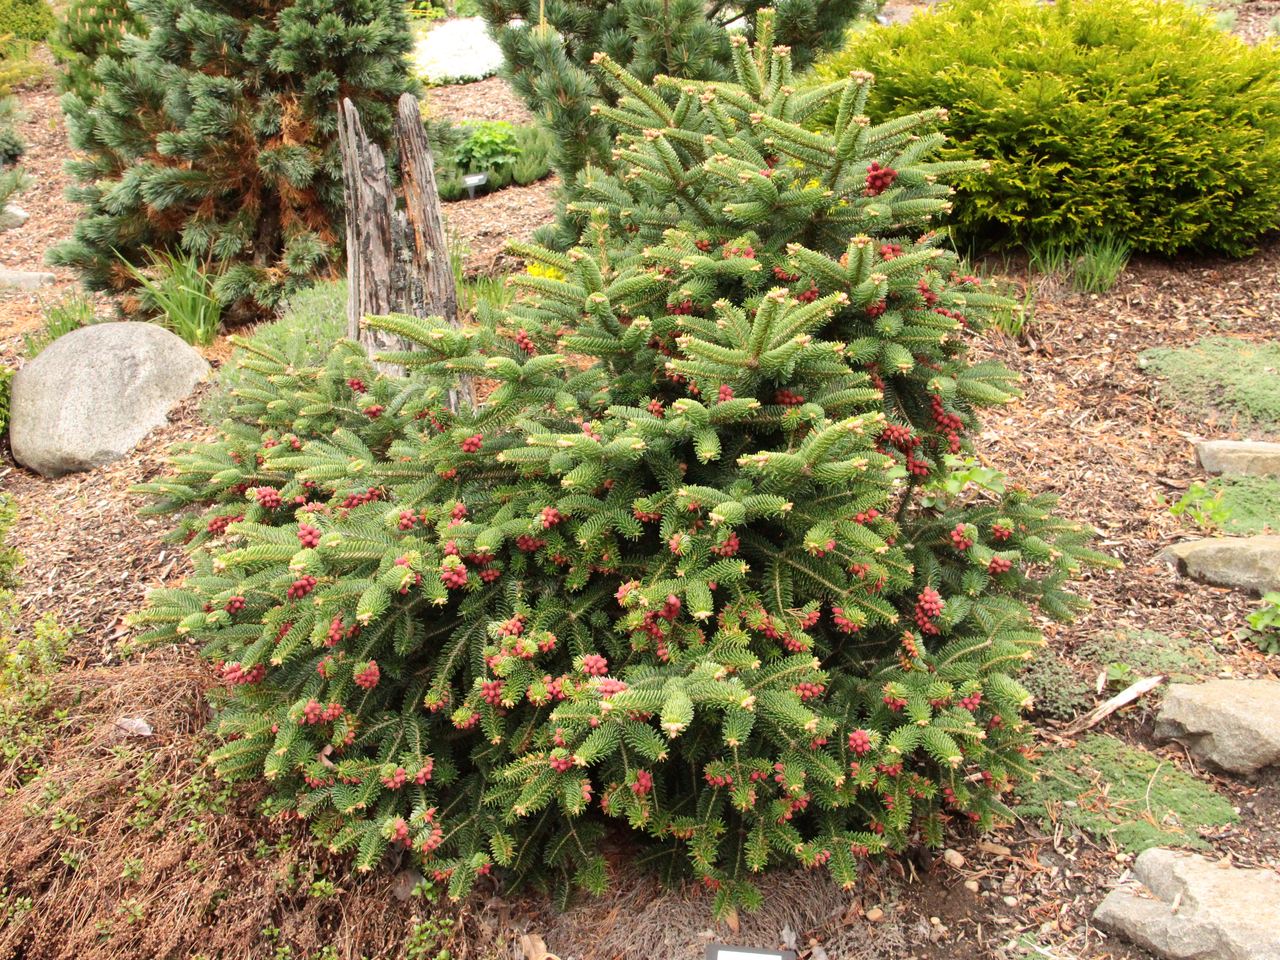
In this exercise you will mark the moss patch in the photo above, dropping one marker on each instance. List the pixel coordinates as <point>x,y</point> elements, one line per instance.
<point>1123,794</point>
<point>1252,504</point>
<point>1128,655</point>
<point>1232,377</point>
<point>1058,689</point>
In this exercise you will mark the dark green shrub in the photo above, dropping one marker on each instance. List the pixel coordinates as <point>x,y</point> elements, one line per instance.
<point>26,19</point>
<point>1134,119</point>
<point>12,146</point>
<point>701,562</point>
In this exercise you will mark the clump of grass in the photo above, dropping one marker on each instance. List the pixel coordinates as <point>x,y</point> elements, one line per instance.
<point>1123,795</point>
<point>68,314</point>
<point>1093,266</point>
<point>1226,375</point>
<point>179,290</point>
<point>1098,264</point>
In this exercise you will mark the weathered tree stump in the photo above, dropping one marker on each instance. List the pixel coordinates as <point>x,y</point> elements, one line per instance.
<point>397,255</point>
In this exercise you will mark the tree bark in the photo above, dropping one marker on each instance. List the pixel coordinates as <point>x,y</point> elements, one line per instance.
<point>397,259</point>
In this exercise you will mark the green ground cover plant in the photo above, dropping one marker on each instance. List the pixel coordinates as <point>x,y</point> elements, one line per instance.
<point>1138,121</point>
<point>1232,378</point>
<point>709,560</point>
<point>1123,795</point>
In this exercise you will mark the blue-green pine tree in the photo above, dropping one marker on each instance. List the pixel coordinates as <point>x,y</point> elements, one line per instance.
<point>214,133</point>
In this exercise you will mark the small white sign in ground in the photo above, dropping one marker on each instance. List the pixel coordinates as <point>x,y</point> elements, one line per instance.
<point>719,951</point>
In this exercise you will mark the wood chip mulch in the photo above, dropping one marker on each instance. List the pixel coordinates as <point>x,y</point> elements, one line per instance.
<point>89,557</point>
<point>486,224</point>
<point>489,99</point>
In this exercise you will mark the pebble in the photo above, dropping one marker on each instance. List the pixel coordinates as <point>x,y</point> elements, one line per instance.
<point>971,886</point>
<point>1010,901</point>
<point>953,858</point>
<point>875,914</point>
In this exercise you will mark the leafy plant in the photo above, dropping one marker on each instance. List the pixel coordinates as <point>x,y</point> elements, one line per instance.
<point>178,289</point>
<point>1265,623</point>
<point>488,146</point>
<point>694,564</point>
<point>70,313</point>
<point>1205,509</point>
<point>1135,119</point>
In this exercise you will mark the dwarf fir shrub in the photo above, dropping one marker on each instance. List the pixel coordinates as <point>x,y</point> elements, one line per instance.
<point>691,566</point>
<point>215,136</point>
<point>1137,120</point>
<point>548,46</point>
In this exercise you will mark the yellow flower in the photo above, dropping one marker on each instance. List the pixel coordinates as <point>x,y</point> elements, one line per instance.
<point>535,269</point>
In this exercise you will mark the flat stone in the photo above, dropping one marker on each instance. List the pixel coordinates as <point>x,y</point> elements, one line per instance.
<point>1244,563</point>
<point>25,279</point>
<point>93,394</point>
<point>1186,907</point>
<point>1232,724</point>
<point>1239,458</point>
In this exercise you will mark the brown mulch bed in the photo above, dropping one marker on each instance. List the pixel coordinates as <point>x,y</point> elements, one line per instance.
<point>90,557</point>
<point>489,99</point>
<point>486,224</point>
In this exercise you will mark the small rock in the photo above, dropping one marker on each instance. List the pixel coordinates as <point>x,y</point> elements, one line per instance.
<point>93,394</point>
<point>1232,724</point>
<point>875,914</point>
<point>953,858</point>
<point>971,886</point>
<point>1010,901</point>
<point>1202,909</point>
<point>13,216</point>
<point>1243,563</point>
<point>1239,458</point>
<point>25,279</point>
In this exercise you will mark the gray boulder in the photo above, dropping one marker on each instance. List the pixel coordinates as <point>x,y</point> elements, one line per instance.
<point>1244,563</point>
<point>1239,457</point>
<point>1232,724</point>
<point>1191,908</point>
<point>93,394</point>
<point>25,279</point>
